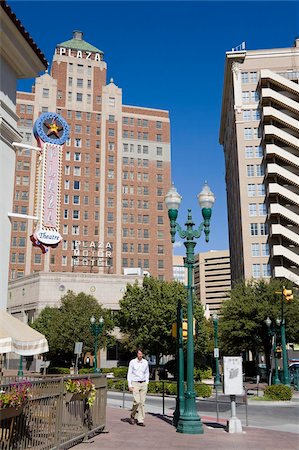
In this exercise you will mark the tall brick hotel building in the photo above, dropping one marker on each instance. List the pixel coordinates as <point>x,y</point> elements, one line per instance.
<point>115,174</point>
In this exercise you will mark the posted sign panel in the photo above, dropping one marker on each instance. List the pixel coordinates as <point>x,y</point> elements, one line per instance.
<point>233,375</point>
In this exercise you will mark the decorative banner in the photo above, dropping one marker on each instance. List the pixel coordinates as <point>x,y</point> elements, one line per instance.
<point>50,131</point>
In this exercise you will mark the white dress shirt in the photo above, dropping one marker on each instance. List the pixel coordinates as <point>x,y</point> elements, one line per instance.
<point>138,371</point>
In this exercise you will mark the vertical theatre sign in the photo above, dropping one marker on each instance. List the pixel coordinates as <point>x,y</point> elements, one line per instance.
<point>51,131</point>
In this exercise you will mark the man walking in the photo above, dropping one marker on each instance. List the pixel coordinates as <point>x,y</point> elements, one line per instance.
<point>138,376</point>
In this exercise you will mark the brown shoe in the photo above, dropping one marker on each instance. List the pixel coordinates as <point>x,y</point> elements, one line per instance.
<point>140,424</point>
<point>131,421</point>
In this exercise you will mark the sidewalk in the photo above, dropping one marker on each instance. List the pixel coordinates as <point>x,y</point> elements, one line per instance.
<point>160,434</point>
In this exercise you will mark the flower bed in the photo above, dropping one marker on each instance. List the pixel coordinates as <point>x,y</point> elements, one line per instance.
<point>81,388</point>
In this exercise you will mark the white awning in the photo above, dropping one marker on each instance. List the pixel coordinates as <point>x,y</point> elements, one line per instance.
<point>17,337</point>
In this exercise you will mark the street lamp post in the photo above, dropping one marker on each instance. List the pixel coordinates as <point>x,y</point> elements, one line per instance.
<point>190,422</point>
<point>272,333</point>
<point>217,381</point>
<point>96,330</point>
<point>286,295</point>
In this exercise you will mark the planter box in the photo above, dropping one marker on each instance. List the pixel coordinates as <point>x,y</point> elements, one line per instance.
<point>69,397</point>
<point>8,413</point>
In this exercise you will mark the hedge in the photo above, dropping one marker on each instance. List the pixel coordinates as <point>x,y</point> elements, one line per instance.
<point>156,387</point>
<point>278,392</point>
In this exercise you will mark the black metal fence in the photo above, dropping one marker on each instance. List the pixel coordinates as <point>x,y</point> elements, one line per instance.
<point>51,419</point>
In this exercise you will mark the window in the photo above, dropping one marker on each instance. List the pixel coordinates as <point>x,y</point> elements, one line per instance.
<point>125,120</point>
<point>78,115</point>
<point>45,93</point>
<point>69,96</point>
<point>244,77</point>
<point>253,77</point>
<point>125,247</point>
<point>111,118</point>
<point>265,249</point>
<point>145,136</point>
<point>76,200</point>
<point>68,156</point>
<point>159,137</point>
<point>111,132</point>
<point>66,184</point>
<point>111,101</point>
<point>262,209</point>
<point>145,248</point>
<point>250,170</point>
<point>77,156</point>
<point>255,250</point>
<point>259,152</point>
<point>125,134</point>
<point>77,185</point>
<point>160,264</point>
<point>254,229</point>
<point>160,220</point>
<point>254,96</point>
<point>263,229</point>
<point>252,209</point>
<point>75,229</point>
<point>251,190</point>
<point>77,171</point>
<point>64,260</point>
<point>37,258</point>
<point>159,151</point>
<point>21,242</point>
<point>248,134</point>
<point>158,124</point>
<point>79,97</point>
<point>85,215</point>
<point>110,173</point>
<point>110,216</point>
<point>78,142</point>
<point>65,229</point>
<point>76,214</point>
<point>66,214</point>
<point>79,82</point>
<point>256,114</point>
<point>247,114</point>
<point>260,189</point>
<point>70,81</point>
<point>245,96</point>
<point>248,152</point>
<point>260,171</point>
<point>256,270</point>
<point>266,270</point>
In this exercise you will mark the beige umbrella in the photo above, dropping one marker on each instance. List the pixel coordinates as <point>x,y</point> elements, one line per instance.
<point>17,337</point>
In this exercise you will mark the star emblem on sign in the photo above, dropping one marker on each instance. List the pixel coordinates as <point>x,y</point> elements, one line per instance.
<point>53,128</point>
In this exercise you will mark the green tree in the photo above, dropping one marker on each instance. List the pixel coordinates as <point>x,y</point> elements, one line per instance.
<point>70,323</point>
<point>242,317</point>
<point>147,313</point>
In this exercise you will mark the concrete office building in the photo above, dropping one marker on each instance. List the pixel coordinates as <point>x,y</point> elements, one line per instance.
<point>19,58</point>
<point>180,272</point>
<point>116,172</point>
<point>212,279</point>
<point>260,137</point>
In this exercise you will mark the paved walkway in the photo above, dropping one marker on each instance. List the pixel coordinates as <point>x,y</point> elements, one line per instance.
<point>160,434</point>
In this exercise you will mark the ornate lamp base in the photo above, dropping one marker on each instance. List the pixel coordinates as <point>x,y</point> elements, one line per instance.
<point>190,425</point>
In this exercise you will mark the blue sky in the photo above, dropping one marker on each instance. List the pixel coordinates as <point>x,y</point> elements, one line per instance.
<point>171,55</point>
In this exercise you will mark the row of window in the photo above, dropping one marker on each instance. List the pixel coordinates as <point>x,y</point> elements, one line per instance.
<point>260,249</point>
<point>249,77</point>
<point>131,190</point>
<point>254,151</point>
<point>256,170</point>
<point>251,114</point>
<point>255,190</point>
<point>145,265</point>
<point>252,133</point>
<point>141,233</point>
<point>141,149</point>
<point>259,229</point>
<point>26,109</point>
<point>141,248</point>
<point>79,82</point>
<point>140,122</point>
<point>20,258</point>
<point>250,96</point>
<point>257,209</point>
<point>21,195</point>
<point>261,270</point>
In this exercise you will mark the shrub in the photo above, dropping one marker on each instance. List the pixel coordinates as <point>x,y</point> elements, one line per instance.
<point>119,372</point>
<point>117,385</point>
<point>278,392</point>
<point>203,373</point>
<point>203,390</point>
<point>59,370</point>
<point>85,370</point>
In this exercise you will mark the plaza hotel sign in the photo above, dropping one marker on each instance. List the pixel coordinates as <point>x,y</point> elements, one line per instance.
<point>79,54</point>
<point>51,131</point>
